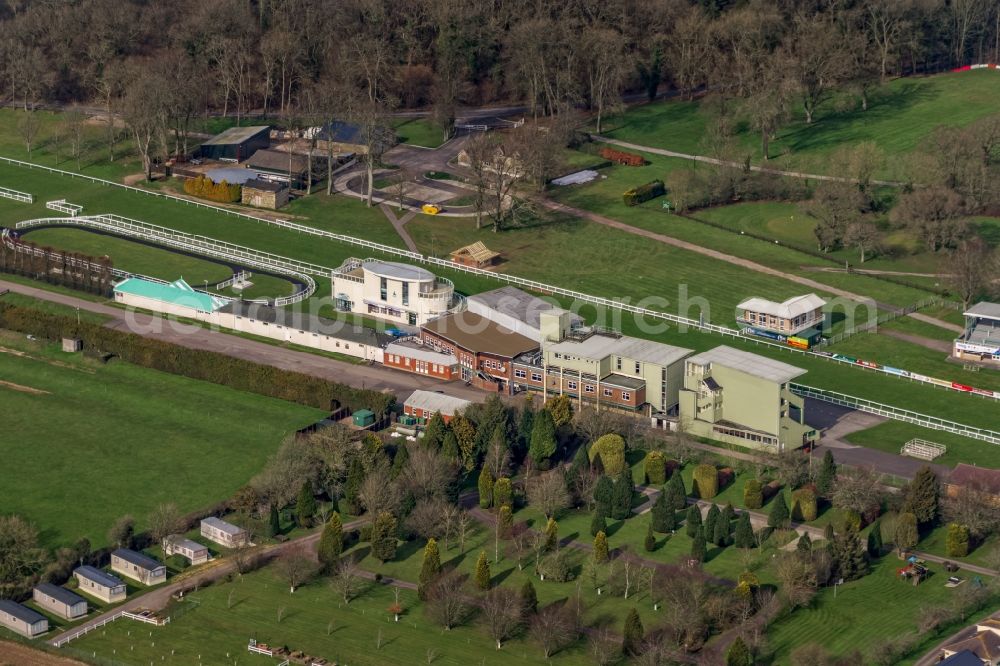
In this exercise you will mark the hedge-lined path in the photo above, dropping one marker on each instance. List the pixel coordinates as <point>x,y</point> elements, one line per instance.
<point>732,259</point>
<point>375,377</point>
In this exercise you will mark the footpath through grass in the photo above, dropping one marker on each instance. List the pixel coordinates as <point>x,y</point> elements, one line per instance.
<point>92,442</point>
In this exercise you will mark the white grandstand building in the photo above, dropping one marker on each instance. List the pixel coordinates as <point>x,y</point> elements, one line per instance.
<point>400,293</point>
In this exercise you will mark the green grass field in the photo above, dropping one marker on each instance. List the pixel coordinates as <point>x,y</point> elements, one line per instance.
<point>92,442</point>
<point>891,435</point>
<point>901,114</point>
<point>597,267</point>
<point>418,132</point>
<point>315,620</point>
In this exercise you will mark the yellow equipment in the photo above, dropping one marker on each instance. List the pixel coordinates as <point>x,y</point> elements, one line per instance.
<point>430,209</point>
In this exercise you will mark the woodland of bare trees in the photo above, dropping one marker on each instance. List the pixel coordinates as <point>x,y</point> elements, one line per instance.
<point>362,58</point>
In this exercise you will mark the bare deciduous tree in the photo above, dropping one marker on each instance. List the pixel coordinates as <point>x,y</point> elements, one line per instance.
<point>447,603</point>
<point>296,566</point>
<point>347,580</point>
<point>501,612</point>
<point>547,492</point>
<point>165,519</point>
<point>553,628</point>
<point>973,269</point>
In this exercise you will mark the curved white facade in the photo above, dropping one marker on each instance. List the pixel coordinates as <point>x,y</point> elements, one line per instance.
<point>396,292</point>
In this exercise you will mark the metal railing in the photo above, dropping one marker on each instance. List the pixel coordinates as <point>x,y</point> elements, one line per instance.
<point>23,197</point>
<point>895,413</point>
<point>63,206</point>
<point>502,277</point>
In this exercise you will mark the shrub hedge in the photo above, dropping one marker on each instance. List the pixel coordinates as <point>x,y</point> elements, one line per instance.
<point>753,494</point>
<point>705,483</point>
<point>611,448</point>
<point>804,505</point>
<point>656,467</point>
<point>205,188</point>
<point>650,190</point>
<point>196,363</point>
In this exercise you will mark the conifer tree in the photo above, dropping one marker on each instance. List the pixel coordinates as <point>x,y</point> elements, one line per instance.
<point>485,488</point>
<point>693,520</point>
<point>604,494</point>
<point>543,437</point>
<point>505,517</point>
<point>674,490</point>
<point>529,598</point>
<point>739,654</point>
<point>434,432</point>
<point>598,523</point>
<point>483,576</point>
<point>827,475</point>
<point>449,446</point>
<point>923,496</point>
<point>711,519</point>
<point>698,546</point>
<point>720,537</point>
<point>430,568</point>
<point>601,554</point>
<point>650,541</point>
<point>331,542</point>
<point>744,532</point>
<point>778,516</point>
<point>399,461</point>
<point>274,522</point>
<point>551,535</point>
<point>662,515</point>
<point>875,544</point>
<point>633,634</point>
<point>384,536</point>
<point>621,499</point>
<point>305,507</point>
<point>804,544</point>
<point>352,488</point>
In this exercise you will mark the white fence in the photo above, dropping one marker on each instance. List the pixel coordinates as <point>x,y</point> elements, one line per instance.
<point>202,245</point>
<point>23,197</point>
<point>63,206</point>
<point>921,448</point>
<point>504,277</point>
<point>896,413</point>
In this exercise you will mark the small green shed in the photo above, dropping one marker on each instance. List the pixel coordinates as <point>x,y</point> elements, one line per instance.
<point>363,418</point>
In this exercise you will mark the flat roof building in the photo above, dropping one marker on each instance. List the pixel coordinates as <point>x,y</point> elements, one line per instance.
<point>236,143</point>
<point>736,397</point>
<point>177,297</point>
<point>192,551</point>
<point>516,309</point>
<point>59,601</point>
<point>980,342</point>
<point>424,404</point>
<point>412,356</point>
<point>21,619</point>
<point>397,292</point>
<point>138,567</point>
<point>99,584</point>
<point>790,318</point>
<point>264,194</point>
<point>223,533</point>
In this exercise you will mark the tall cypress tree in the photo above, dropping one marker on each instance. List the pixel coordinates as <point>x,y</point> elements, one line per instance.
<point>603,494</point>
<point>778,516</point>
<point>875,544</point>
<point>633,634</point>
<point>693,520</point>
<point>711,519</point>
<point>662,515</point>
<point>485,488</point>
<point>621,502</point>
<point>430,568</point>
<point>744,532</point>
<point>399,461</point>
<point>923,496</point>
<point>649,543</point>
<point>331,543</point>
<point>384,536</point>
<point>352,488</point>
<point>674,490</point>
<point>529,598</point>
<point>305,507</point>
<point>551,535</point>
<point>524,427</point>
<point>543,437</point>
<point>434,432</point>
<point>598,523</point>
<point>721,534</point>
<point>483,577</point>
<point>850,557</point>
<point>804,544</point>
<point>449,447</point>
<point>698,546</point>
<point>827,475</point>
<point>274,522</point>
<point>739,654</point>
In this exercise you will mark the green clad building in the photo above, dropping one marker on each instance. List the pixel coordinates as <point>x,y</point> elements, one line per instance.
<point>740,398</point>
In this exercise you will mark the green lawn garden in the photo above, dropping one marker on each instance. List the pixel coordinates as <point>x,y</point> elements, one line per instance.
<point>92,442</point>
<point>891,435</point>
<point>418,132</point>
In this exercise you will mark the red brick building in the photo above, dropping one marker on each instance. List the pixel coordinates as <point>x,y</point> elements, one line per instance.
<point>423,405</point>
<point>421,360</point>
<point>485,350</point>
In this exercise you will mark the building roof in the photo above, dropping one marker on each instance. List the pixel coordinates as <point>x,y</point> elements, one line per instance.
<point>978,478</point>
<point>232,175</point>
<point>478,251</point>
<point>278,161</point>
<point>431,401</point>
<point>515,303</point>
<point>264,185</point>
<point>222,525</point>
<point>420,353</point>
<point>985,310</point>
<point>397,271</point>
<point>138,559</point>
<point>100,577</point>
<point>985,645</point>
<point>963,658</point>
<point>340,132</point>
<point>60,594</point>
<point>600,346</point>
<point>22,613</point>
<point>790,309</point>
<point>623,381</point>
<point>177,292</point>
<point>990,623</point>
<point>752,364</point>
<point>334,328</point>
<point>178,541</point>
<point>476,333</point>
<point>237,135</point>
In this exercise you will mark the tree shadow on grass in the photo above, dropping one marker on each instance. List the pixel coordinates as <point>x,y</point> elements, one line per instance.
<point>613,527</point>
<point>408,549</point>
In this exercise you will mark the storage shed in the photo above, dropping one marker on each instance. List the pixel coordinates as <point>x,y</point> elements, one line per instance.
<point>264,194</point>
<point>363,418</point>
<point>236,143</point>
<point>59,601</point>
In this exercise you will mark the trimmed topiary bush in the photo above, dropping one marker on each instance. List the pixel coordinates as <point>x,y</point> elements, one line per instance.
<point>655,468</point>
<point>705,483</point>
<point>804,505</point>
<point>753,494</point>
<point>642,193</point>
<point>957,541</point>
<point>611,449</point>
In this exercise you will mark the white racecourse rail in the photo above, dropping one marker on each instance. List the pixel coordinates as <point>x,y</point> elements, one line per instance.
<point>503,277</point>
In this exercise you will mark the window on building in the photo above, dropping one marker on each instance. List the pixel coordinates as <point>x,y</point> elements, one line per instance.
<point>520,374</point>
<point>383,288</point>
<point>571,385</point>
<point>607,393</point>
<point>536,377</point>
<point>618,363</point>
<point>626,396</point>
<point>406,293</point>
<point>638,368</point>
<point>589,388</point>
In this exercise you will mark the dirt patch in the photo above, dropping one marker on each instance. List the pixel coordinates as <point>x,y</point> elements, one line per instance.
<point>20,388</point>
<point>58,364</point>
<point>15,654</point>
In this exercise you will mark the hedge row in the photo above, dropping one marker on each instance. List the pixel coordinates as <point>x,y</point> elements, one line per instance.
<point>621,157</point>
<point>650,190</point>
<point>197,364</point>
<point>205,188</point>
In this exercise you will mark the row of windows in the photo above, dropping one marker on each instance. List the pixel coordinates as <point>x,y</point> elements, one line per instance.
<point>301,332</point>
